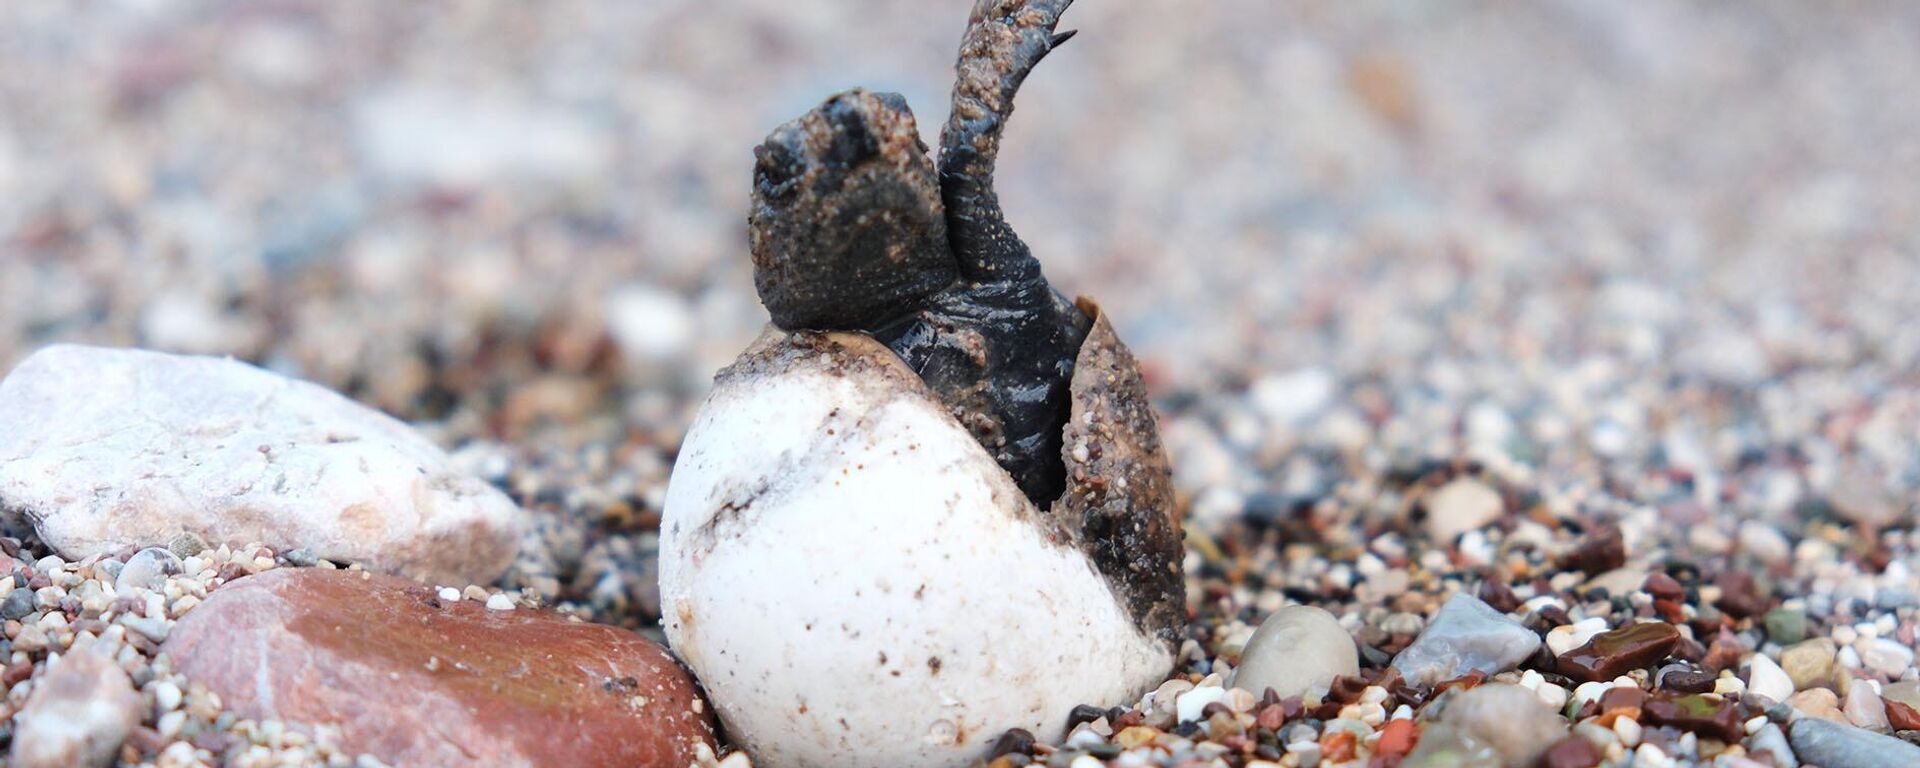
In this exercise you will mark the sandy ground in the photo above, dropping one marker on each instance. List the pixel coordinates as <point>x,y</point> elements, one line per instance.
<point>1583,243</point>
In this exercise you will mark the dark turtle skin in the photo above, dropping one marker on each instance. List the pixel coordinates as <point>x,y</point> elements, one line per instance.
<point>853,228</point>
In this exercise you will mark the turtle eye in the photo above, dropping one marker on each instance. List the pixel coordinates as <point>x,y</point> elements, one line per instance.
<point>776,169</point>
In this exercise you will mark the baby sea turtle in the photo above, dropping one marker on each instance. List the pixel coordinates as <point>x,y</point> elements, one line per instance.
<point>852,229</point>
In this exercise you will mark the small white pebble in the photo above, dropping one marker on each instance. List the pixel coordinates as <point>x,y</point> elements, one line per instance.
<point>1766,678</point>
<point>1628,730</point>
<point>450,594</point>
<point>499,602</point>
<point>1650,756</point>
<point>1189,705</point>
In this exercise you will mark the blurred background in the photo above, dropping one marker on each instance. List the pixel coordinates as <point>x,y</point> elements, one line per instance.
<point>1590,244</point>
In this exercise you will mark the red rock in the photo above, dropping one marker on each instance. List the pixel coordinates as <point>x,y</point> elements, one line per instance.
<point>1901,716</point>
<point>414,680</point>
<point>1572,752</point>
<point>1398,737</point>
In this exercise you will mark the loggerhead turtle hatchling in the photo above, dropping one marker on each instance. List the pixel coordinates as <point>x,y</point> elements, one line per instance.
<point>930,503</point>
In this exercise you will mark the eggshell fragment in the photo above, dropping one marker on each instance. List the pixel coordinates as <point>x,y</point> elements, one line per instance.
<point>857,582</point>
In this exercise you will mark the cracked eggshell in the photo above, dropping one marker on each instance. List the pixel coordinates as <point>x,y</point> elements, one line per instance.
<point>856,582</point>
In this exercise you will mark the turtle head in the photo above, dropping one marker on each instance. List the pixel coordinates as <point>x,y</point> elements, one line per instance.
<point>847,228</point>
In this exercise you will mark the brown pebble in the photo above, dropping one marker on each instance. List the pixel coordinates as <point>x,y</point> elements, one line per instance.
<point>1724,653</point>
<point>1711,717</point>
<point>1739,597</point>
<point>1610,654</point>
<point>17,672</point>
<point>1497,594</point>
<point>1623,699</point>
<point>1600,551</point>
<point>1688,681</point>
<point>1016,741</point>
<point>1572,752</point>
<point>1346,690</point>
<point>1901,716</point>
<point>1689,649</point>
<point>1272,716</point>
<point>1663,587</point>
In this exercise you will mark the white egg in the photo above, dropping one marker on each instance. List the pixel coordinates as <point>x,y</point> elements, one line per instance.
<point>856,582</point>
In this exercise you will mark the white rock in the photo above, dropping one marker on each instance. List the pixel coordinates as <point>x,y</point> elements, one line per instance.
<point>1295,397</point>
<point>1765,678</point>
<point>1865,709</point>
<point>108,450</point>
<point>1298,649</point>
<point>1764,542</point>
<point>1459,506</point>
<point>1508,718</point>
<point>82,708</point>
<point>1888,657</point>
<point>651,325</point>
<point>858,583</point>
<point>1192,704</point>
<point>1465,635</point>
<point>147,569</point>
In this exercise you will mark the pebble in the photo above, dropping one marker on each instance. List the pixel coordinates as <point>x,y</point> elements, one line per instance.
<point>1865,709</point>
<point>1611,654</point>
<point>1708,716</point>
<point>79,713</point>
<point>1830,745</point>
<point>1770,740</point>
<point>17,605</point>
<point>108,449</point>
<point>1192,704</point>
<point>1297,649</point>
<point>652,326</point>
<point>1506,717</point>
<point>1859,496</point>
<point>1809,663</point>
<point>1822,703</point>
<point>1572,752</point>
<point>148,569</point>
<point>1764,542</point>
<point>485,687</point>
<point>1786,625</point>
<point>1766,679</point>
<point>1462,505</point>
<point>1885,656</point>
<point>1466,635</point>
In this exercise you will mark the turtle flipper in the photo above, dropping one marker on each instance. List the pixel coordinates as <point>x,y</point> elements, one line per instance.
<point>1005,39</point>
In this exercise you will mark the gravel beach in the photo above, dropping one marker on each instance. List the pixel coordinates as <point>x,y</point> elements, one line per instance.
<point>1562,356</point>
